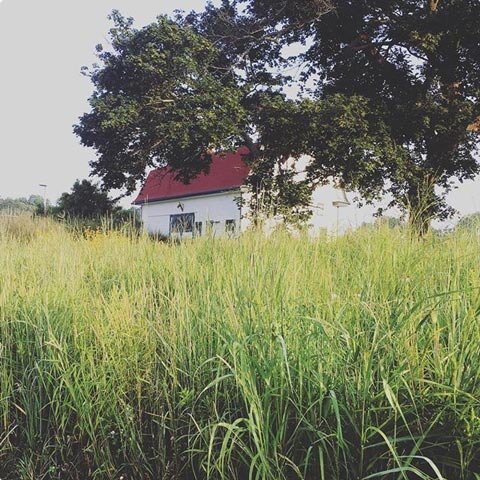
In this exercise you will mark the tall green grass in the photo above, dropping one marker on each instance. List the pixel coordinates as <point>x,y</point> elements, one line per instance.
<point>253,358</point>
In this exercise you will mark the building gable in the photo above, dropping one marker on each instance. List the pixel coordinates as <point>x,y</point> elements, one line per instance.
<point>228,171</point>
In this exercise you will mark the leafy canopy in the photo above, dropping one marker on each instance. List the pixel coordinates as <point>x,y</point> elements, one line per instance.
<point>469,222</point>
<point>158,101</point>
<point>32,204</point>
<point>386,97</point>
<point>85,200</point>
<point>416,64</point>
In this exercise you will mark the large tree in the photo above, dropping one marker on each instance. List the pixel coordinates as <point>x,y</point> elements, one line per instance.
<point>162,97</point>
<point>85,200</point>
<point>171,93</point>
<point>416,67</point>
<point>391,106</point>
<point>395,102</point>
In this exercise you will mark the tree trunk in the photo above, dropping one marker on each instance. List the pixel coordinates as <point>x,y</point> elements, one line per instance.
<point>419,221</point>
<point>422,206</point>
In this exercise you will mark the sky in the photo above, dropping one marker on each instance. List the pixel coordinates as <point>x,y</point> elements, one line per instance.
<point>43,45</point>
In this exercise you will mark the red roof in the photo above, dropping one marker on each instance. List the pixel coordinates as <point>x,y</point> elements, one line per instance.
<point>227,172</point>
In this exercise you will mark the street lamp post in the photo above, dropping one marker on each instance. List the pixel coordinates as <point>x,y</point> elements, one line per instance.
<point>338,204</point>
<point>44,197</point>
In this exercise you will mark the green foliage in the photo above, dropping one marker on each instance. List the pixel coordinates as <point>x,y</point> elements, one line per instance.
<point>419,69</point>
<point>255,358</point>
<point>85,200</point>
<point>176,90</point>
<point>383,222</point>
<point>394,89</point>
<point>469,223</point>
<point>88,207</point>
<point>159,99</point>
<point>32,204</point>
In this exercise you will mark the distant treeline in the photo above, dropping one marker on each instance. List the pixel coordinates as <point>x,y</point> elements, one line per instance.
<point>86,203</point>
<point>33,204</point>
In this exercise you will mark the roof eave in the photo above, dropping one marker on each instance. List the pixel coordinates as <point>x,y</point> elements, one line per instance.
<point>186,195</point>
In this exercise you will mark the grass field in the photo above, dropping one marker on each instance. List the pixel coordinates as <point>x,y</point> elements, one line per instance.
<point>255,358</point>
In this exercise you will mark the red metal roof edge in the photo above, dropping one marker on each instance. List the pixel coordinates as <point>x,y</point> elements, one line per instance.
<point>186,195</point>
<point>224,175</point>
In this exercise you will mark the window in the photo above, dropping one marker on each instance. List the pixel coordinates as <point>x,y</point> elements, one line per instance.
<point>230,226</point>
<point>212,227</point>
<point>182,223</point>
<point>198,228</point>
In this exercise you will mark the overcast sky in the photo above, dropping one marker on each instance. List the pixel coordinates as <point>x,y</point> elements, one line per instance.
<point>43,45</point>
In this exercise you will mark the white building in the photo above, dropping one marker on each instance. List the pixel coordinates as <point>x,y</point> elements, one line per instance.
<point>212,203</point>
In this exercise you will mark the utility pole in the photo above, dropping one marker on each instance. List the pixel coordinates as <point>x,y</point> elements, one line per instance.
<point>44,197</point>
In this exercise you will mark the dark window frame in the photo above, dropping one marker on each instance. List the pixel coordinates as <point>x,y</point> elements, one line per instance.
<point>189,223</point>
<point>230,226</point>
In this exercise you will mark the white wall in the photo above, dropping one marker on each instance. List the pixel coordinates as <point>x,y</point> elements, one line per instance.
<point>216,207</point>
<point>349,217</point>
<point>224,206</point>
<point>324,213</point>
